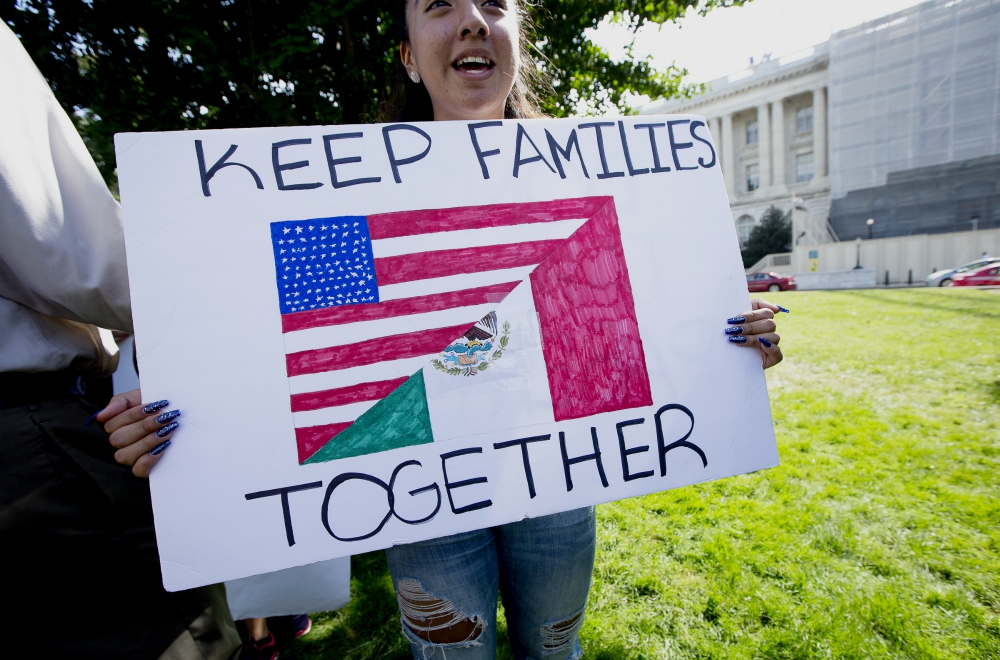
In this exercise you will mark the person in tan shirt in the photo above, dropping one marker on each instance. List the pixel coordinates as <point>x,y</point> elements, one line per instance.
<point>80,569</point>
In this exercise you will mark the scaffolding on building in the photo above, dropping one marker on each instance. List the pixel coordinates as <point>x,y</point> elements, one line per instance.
<point>914,89</point>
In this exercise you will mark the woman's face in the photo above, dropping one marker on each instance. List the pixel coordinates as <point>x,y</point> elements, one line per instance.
<point>466,54</point>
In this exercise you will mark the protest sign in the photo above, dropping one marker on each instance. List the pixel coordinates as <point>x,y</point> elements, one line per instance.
<point>387,333</point>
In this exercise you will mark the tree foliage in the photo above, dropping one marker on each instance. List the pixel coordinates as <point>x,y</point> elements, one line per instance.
<point>583,74</point>
<point>773,234</point>
<point>153,65</point>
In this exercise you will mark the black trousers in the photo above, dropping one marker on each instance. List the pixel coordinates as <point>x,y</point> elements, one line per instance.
<point>79,569</point>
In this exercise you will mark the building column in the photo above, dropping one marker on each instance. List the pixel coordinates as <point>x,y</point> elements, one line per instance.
<point>764,144</point>
<point>778,140</point>
<point>728,154</point>
<point>819,131</point>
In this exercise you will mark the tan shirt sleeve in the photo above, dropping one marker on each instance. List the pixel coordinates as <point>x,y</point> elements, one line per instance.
<point>62,247</point>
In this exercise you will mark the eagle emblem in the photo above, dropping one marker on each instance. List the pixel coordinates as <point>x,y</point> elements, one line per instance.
<point>480,346</point>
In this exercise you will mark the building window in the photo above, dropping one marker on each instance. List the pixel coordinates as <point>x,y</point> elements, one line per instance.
<point>804,167</point>
<point>744,226</point>
<point>804,120</point>
<point>753,176</point>
<point>752,132</point>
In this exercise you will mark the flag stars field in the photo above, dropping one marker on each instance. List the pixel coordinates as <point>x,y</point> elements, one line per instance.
<point>310,259</point>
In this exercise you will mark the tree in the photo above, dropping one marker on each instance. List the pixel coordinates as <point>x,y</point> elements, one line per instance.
<point>584,74</point>
<point>122,65</point>
<point>773,234</point>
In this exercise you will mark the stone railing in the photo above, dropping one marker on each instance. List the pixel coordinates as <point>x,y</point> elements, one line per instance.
<point>771,262</point>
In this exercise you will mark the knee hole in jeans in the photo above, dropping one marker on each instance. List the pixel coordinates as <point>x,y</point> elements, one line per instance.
<point>559,636</point>
<point>435,619</point>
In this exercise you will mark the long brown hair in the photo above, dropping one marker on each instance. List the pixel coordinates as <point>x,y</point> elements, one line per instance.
<point>409,101</point>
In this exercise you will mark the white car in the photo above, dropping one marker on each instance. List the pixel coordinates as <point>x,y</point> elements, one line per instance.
<point>944,277</point>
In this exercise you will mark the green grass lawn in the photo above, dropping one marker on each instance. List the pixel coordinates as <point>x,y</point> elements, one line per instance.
<point>877,537</point>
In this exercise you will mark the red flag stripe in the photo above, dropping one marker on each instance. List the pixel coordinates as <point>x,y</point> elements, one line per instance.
<point>342,396</point>
<point>318,318</point>
<point>442,263</point>
<point>372,351</point>
<point>593,350</point>
<point>311,439</point>
<point>411,223</point>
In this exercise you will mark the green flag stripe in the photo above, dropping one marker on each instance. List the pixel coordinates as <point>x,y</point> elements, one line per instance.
<point>398,420</point>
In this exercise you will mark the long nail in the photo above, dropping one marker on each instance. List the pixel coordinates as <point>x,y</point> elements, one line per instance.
<point>738,340</point>
<point>167,430</point>
<point>736,319</point>
<point>735,330</point>
<point>163,418</point>
<point>766,343</point>
<point>93,417</point>
<point>782,309</point>
<point>156,451</point>
<point>156,405</point>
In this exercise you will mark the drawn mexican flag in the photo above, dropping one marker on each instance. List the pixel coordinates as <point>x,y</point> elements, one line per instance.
<point>421,326</point>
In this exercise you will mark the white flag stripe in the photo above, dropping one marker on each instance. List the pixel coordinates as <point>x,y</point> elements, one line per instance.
<point>338,335</point>
<point>452,283</point>
<point>512,393</point>
<point>347,413</point>
<point>368,373</point>
<point>465,238</point>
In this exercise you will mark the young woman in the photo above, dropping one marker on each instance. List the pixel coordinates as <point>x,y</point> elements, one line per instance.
<point>467,60</point>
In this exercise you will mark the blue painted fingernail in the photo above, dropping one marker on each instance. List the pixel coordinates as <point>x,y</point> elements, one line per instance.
<point>156,405</point>
<point>735,330</point>
<point>765,342</point>
<point>738,340</point>
<point>736,319</point>
<point>167,430</point>
<point>782,309</point>
<point>93,417</point>
<point>159,448</point>
<point>163,418</point>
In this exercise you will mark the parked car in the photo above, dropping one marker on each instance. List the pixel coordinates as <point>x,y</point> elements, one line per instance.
<point>947,277</point>
<point>985,276</point>
<point>770,282</point>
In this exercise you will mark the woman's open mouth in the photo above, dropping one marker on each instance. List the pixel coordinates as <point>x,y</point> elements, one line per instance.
<point>473,64</point>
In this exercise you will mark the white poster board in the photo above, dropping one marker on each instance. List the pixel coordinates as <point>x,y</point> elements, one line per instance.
<point>321,587</point>
<point>382,334</point>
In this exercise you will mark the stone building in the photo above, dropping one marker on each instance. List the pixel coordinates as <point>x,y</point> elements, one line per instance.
<point>769,123</point>
<point>896,121</point>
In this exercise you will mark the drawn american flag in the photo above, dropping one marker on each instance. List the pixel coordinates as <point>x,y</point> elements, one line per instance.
<point>366,301</point>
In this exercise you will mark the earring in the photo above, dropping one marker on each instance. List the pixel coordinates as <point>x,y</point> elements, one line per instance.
<point>414,76</point>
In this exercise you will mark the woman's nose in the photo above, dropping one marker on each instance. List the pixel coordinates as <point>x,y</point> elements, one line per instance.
<point>473,21</point>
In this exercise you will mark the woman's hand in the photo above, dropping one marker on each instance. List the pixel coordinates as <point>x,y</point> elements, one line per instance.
<point>756,329</point>
<point>140,432</point>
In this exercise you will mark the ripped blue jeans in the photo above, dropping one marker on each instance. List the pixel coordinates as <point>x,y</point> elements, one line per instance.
<point>447,588</point>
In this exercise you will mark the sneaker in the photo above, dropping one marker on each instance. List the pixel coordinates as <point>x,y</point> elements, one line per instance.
<point>301,624</point>
<point>288,628</point>
<point>260,649</point>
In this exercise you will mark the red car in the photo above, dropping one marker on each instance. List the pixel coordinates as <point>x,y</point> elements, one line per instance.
<point>986,276</point>
<point>770,282</point>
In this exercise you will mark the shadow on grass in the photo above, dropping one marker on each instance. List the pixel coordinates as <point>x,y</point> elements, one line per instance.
<point>875,297</point>
<point>994,391</point>
<point>367,628</point>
